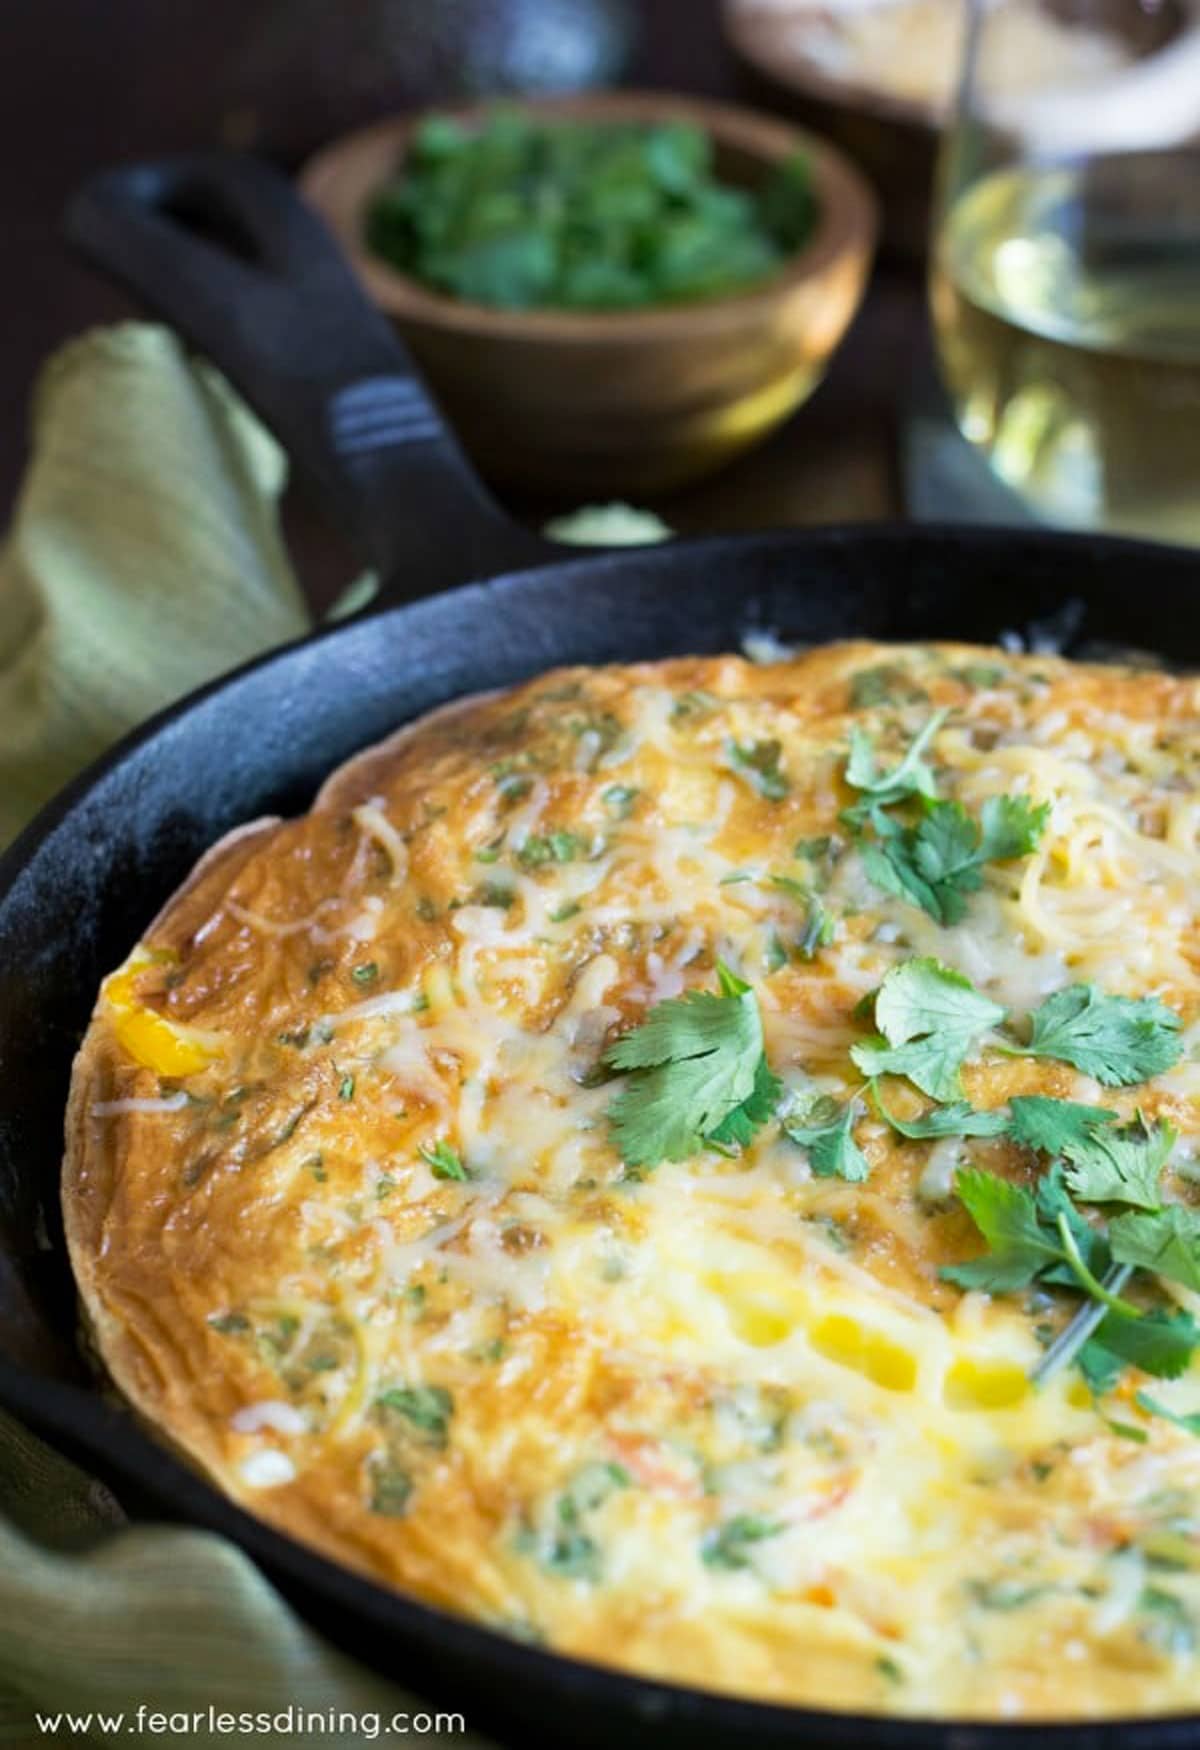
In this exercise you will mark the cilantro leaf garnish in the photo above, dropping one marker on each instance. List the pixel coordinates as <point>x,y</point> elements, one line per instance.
<point>959,1118</point>
<point>1120,1165</point>
<point>924,996</point>
<point>931,1064</point>
<point>1007,1215</point>
<point>1054,1126</point>
<point>1166,1241</point>
<point>1043,1236</point>
<point>739,1127</point>
<point>1118,1040</point>
<point>1160,1343</point>
<point>824,1127</point>
<point>890,867</point>
<point>1010,826</point>
<point>697,1074</point>
<point>1032,1234</point>
<point>912,776</point>
<point>930,1017</point>
<point>940,860</point>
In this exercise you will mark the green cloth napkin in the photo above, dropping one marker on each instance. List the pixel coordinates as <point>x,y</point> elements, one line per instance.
<point>145,557</point>
<point>99,1617</point>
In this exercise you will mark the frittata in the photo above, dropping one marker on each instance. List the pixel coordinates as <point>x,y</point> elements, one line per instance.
<point>695,1164</point>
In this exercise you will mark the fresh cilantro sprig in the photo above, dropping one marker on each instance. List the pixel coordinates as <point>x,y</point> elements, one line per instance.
<point>1054,1127</point>
<point>697,1074</point>
<point>1120,1041</point>
<point>1160,1343</point>
<point>929,1018</point>
<point>1106,1162</point>
<point>939,861</point>
<point>1120,1164</point>
<point>1020,1227</point>
<point>912,776</point>
<point>1165,1241</point>
<point>959,1118</point>
<point>527,211</point>
<point>1043,1235</point>
<point>824,1128</point>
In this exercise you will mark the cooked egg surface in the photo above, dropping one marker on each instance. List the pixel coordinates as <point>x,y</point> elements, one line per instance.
<point>354,1232</point>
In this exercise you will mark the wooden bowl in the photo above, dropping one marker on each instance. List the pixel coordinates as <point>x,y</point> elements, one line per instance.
<point>628,402</point>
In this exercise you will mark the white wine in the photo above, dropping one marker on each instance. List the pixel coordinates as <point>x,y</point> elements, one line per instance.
<point>1066,301</point>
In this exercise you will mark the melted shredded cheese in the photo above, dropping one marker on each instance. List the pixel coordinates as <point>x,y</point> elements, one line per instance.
<point>722,1421</point>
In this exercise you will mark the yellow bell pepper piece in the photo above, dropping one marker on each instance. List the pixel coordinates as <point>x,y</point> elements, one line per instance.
<point>984,1385</point>
<point>163,1046</point>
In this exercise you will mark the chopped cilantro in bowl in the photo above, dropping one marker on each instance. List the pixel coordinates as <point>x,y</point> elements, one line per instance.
<point>525,213</point>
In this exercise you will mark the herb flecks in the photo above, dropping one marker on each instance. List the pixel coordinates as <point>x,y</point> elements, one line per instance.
<point>560,846</point>
<point>443,1161</point>
<point>731,1544</point>
<point>425,1408</point>
<point>887,683</point>
<point>760,763</point>
<point>390,1490</point>
<point>819,927</point>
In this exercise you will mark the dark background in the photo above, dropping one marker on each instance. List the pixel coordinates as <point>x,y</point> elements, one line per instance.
<point>86,82</point>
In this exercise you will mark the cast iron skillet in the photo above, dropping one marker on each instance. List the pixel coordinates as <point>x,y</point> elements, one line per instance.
<point>223,248</point>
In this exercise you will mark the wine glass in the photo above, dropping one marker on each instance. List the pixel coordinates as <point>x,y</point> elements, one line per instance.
<point>1066,259</point>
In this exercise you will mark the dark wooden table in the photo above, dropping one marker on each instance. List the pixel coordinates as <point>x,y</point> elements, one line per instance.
<point>89,81</point>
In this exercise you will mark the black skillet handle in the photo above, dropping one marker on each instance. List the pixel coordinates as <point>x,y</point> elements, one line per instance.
<point>220,246</point>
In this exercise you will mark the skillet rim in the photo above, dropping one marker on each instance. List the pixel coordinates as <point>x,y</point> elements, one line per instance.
<point>93,1427</point>
<point>565,562</point>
